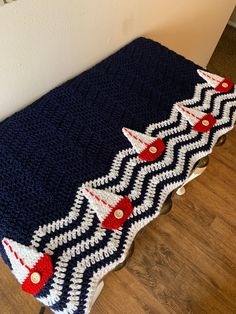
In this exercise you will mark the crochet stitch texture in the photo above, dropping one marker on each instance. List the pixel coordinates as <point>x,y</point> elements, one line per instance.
<point>71,141</point>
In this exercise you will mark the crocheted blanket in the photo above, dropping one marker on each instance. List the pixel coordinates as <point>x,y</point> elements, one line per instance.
<point>88,165</point>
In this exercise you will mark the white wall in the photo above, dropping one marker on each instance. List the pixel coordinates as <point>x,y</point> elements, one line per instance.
<point>45,42</point>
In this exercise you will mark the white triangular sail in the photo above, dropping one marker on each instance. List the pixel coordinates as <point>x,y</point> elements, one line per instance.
<point>192,115</point>
<point>102,202</point>
<point>212,79</point>
<point>21,257</point>
<point>138,140</point>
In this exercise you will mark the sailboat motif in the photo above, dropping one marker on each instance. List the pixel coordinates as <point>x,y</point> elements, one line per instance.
<point>200,121</point>
<point>219,83</point>
<point>31,268</point>
<point>112,209</point>
<point>149,148</point>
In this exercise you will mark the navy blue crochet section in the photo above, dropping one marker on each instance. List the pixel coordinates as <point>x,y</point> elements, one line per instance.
<point>72,135</point>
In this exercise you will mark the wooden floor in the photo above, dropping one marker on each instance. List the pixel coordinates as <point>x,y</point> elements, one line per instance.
<point>184,262</point>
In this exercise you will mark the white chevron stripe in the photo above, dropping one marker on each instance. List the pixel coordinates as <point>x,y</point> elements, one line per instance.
<point>60,223</point>
<point>62,264</point>
<point>74,292</point>
<point>76,279</point>
<point>205,104</point>
<point>70,235</point>
<point>199,89</point>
